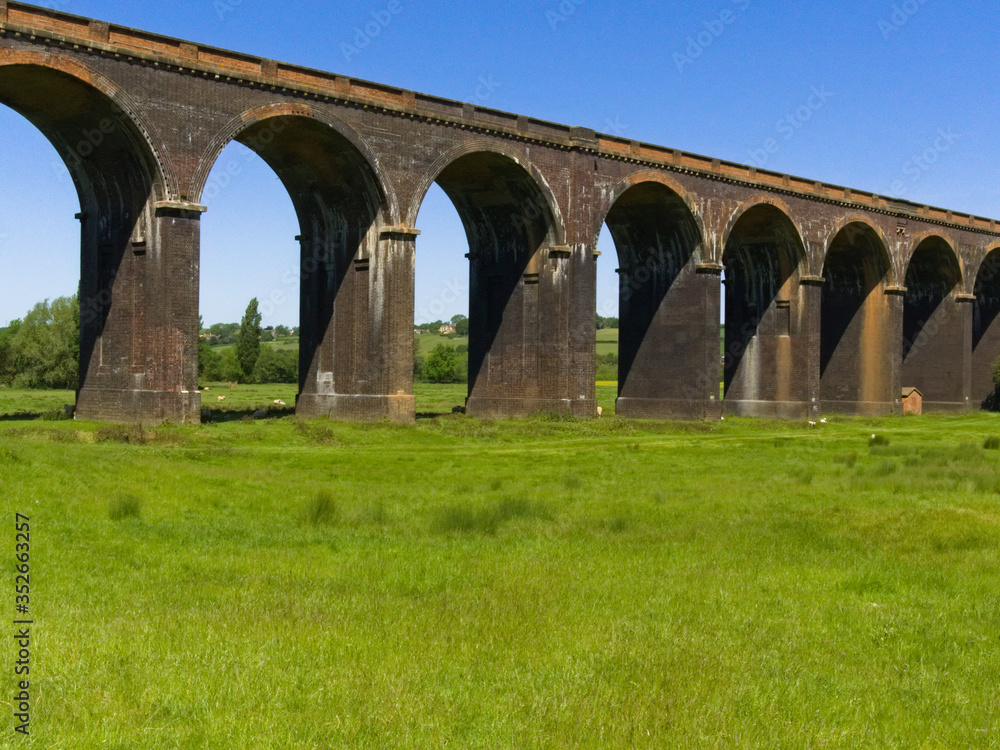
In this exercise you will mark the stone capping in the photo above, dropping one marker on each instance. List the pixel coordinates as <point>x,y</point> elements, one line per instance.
<point>715,268</point>
<point>965,298</point>
<point>560,251</point>
<point>184,206</point>
<point>812,280</point>
<point>65,28</point>
<point>388,233</point>
<point>900,290</point>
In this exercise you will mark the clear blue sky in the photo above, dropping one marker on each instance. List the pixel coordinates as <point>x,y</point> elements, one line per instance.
<point>893,75</point>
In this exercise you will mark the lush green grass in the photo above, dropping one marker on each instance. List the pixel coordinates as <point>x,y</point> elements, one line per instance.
<point>546,583</point>
<point>31,404</point>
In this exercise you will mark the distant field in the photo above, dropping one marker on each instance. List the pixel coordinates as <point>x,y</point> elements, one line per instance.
<point>607,341</point>
<point>428,341</point>
<point>290,342</point>
<point>551,582</point>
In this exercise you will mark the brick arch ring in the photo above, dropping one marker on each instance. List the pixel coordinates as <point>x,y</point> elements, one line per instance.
<point>488,147</point>
<point>856,218</point>
<point>274,111</point>
<point>115,95</point>
<point>644,178</point>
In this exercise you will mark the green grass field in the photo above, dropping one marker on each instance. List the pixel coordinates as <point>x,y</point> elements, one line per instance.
<point>607,341</point>
<point>427,341</point>
<point>543,583</point>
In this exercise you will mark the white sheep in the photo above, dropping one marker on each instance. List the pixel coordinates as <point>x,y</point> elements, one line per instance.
<point>600,411</point>
<point>222,398</point>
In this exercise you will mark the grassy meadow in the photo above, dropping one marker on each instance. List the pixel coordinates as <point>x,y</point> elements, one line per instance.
<point>544,583</point>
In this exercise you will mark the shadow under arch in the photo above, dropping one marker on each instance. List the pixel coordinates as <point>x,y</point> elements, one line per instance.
<point>934,335</point>
<point>765,362</point>
<point>509,222</point>
<point>856,335</point>
<point>118,174</point>
<point>341,207</point>
<point>986,330</point>
<point>668,362</point>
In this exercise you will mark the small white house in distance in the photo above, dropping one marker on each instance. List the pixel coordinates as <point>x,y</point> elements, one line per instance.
<point>447,329</point>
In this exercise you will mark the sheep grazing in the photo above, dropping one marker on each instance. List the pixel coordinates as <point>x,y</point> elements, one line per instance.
<point>823,420</point>
<point>279,402</point>
<point>600,411</point>
<point>812,424</point>
<point>222,398</point>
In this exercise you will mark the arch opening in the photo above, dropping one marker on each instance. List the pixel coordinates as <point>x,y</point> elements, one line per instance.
<point>664,369</point>
<point>765,361</point>
<point>508,225</point>
<point>856,324</point>
<point>117,181</point>
<point>934,336</point>
<point>340,208</point>
<point>986,331</point>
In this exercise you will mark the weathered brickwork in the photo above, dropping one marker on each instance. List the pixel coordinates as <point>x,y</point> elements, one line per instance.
<point>835,299</point>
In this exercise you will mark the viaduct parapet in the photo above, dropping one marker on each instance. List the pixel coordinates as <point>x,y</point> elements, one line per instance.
<point>836,298</point>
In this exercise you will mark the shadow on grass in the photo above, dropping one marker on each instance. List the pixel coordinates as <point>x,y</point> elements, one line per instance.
<point>216,416</point>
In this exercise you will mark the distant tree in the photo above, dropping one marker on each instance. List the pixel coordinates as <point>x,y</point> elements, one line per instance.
<point>248,341</point>
<point>209,362</point>
<point>43,350</point>
<point>461,324</point>
<point>229,367</point>
<point>442,365</point>
<point>225,333</point>
<point>276,366</point>
<point>281,331</point>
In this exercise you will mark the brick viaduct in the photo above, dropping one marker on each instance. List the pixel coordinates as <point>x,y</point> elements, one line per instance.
<point>835,298</point>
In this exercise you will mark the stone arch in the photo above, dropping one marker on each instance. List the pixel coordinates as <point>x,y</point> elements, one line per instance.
<point>119,99</point>
<point>935,335</point>
<point>122,175</point>
<point>517,275</point>
<point>766,352</point>
<point>756,202</point>
<point>986,328</point>
<point>482,146</point>
<point>278,113</point>
<point>647,177</point>
<point>333,179</point>
<point>856,332</point>
<point>845,222</point>
<point>931,236</point>
<point>667,365</point>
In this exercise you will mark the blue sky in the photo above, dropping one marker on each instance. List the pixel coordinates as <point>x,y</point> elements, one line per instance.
<point>899,98</point>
